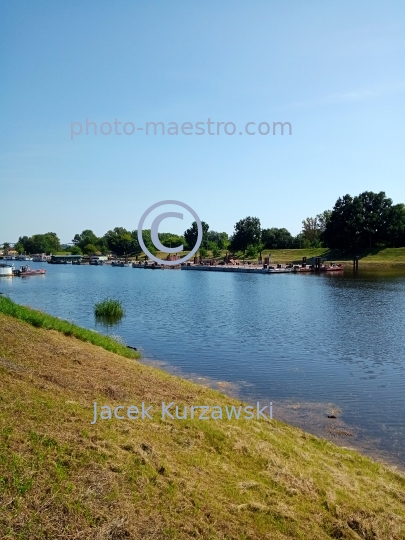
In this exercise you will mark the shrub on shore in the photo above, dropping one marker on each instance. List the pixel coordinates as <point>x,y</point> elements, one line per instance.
<point>109,308</point>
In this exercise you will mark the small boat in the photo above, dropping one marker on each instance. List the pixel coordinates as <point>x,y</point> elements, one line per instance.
<point>6,269</point>
<point>334,267</point>
<point>40,257</point>
<point>122,264</point>
<point>146,266</point>
<point>153,266</point>
<point>27,271</point>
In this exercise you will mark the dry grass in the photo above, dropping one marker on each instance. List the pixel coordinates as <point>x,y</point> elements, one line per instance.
<point>61,477</point>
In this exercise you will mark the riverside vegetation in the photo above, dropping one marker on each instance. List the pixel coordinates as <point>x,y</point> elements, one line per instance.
<point>109,308</point>
<point>43,320</point>
<point>61,477</point>
<point>369,221</point>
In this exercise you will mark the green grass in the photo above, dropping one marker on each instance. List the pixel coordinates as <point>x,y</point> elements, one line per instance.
<point>109,308</point>
<point>62,477</point>
<point>368,257</point>
<point>43,320</point>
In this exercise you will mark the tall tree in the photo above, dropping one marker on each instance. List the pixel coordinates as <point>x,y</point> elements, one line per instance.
<point>220,238</point>
<point>396,226</point>
<point>364,221</point>
<point>246,232</point>
<point>311,231</point>
<point>323,219</point>
<point>277,238</point>
<point>191,235</point>
<point>122,242</point>
<point>39,243</point>
<point>147,238</point>
<point>85,238</point>
<point>171,240</point>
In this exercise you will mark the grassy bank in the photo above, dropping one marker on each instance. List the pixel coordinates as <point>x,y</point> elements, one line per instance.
<point>43,320</point>
<point>388,257</point>
<point>61,477</point>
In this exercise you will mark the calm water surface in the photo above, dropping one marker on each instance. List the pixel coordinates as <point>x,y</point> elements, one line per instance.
<point>314,345</point>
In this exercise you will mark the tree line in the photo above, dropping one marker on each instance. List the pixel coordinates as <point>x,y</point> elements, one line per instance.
<point>365,221</point>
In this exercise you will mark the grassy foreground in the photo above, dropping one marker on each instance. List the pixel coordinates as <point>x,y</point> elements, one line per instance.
<point>61,477</point>
<point>43,320</point>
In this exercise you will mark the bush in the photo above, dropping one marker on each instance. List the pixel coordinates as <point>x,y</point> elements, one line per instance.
<point>216,251</point>
<point>109,308</point>
<point>75,250</point>
<point>251,251</point>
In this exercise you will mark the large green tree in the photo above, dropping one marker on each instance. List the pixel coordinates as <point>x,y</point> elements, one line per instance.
<point>191,235</point>
<point>147,238</point>
<point>312,229</point>
<point>221,239</point>
<point>364,221</point>
<point>85,238</point>
<point>277,238</point>
<point>39,243</point>
<point>246,232</point>
<point>122,242</point>
<point>171,240</point>
<point>396,226</point>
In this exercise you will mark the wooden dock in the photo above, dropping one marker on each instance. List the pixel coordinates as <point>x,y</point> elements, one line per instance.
<point>255,269</point>
<point>242,269</point>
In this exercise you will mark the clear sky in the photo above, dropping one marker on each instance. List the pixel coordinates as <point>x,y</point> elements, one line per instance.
<point>334,70</point>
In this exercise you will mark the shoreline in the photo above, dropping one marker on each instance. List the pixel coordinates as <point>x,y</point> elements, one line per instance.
<point>337,432</point>
<point>263,476</point>
<point>310,416</point>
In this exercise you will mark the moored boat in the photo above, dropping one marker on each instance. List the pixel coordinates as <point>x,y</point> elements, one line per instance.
<point>334,267</point>
<point>6,269</point>
<point>120,263</point>
<point>145,266</point>
<point>40,257</point>
<point>27,271</point>
<point>98,260</point>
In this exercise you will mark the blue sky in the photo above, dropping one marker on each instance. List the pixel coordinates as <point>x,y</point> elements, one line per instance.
<point>334,70</point>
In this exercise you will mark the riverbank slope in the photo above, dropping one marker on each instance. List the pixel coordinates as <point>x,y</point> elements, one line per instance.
<point>62,477</point>
<point>368,258</point>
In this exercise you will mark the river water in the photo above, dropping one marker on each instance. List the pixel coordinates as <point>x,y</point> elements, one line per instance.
<point>314,345</point>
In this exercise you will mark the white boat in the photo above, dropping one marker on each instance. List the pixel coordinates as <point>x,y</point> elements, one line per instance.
<point>120,263</point>
<point>23,258</point>
<point>98,260</point>
<point>41,257</point>
<point>6,269</point>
